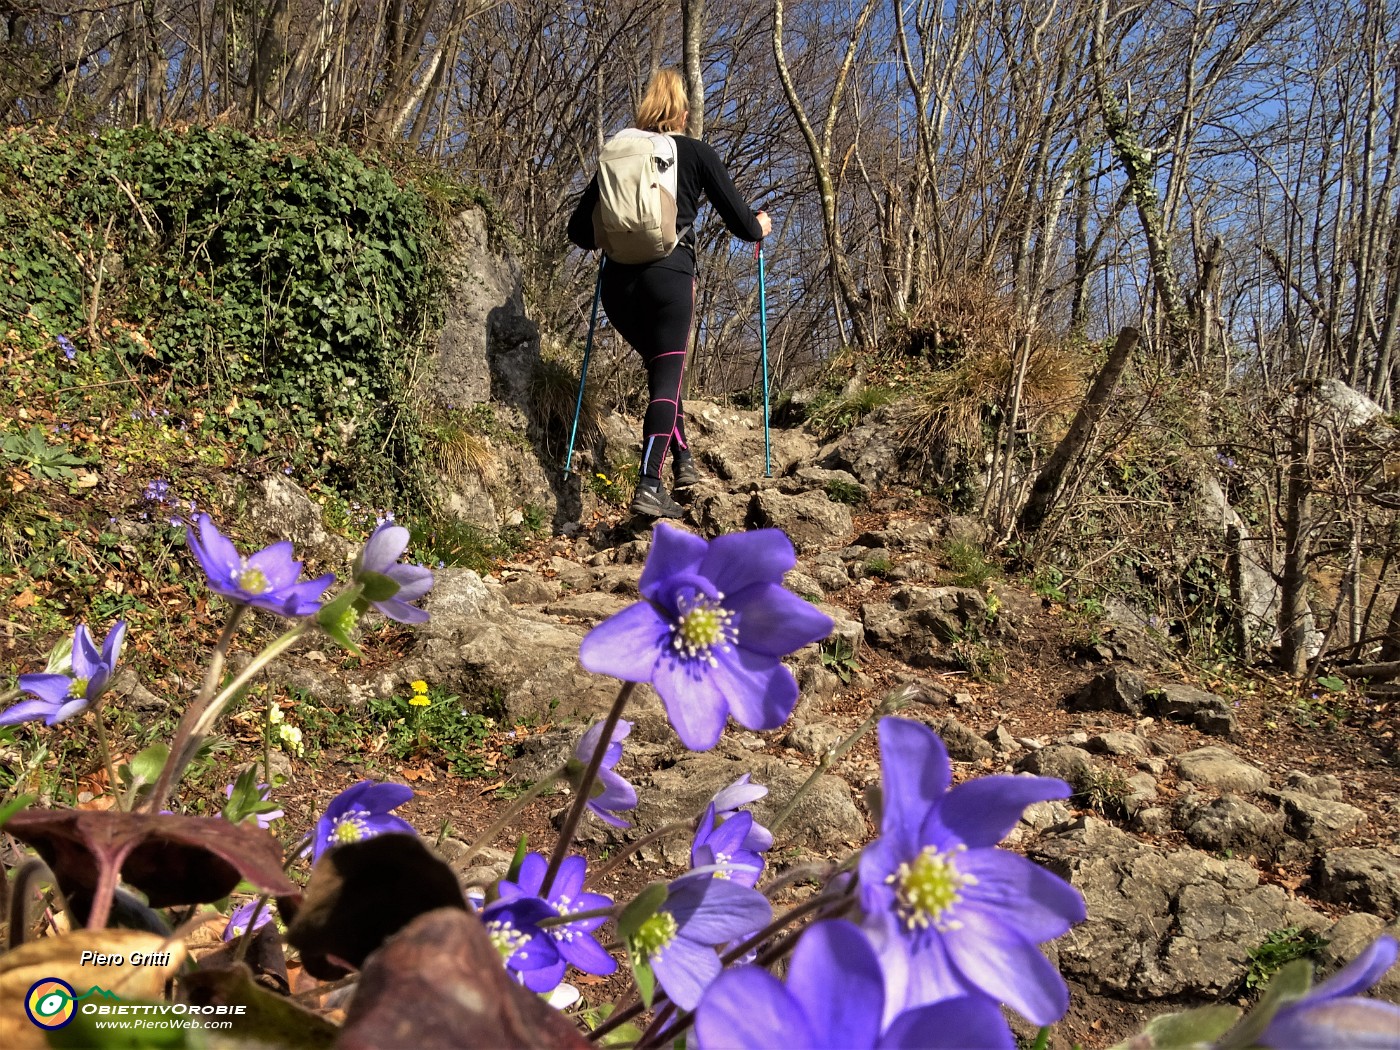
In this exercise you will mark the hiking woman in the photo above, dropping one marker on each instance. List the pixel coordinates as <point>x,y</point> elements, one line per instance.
<point>652,304</point>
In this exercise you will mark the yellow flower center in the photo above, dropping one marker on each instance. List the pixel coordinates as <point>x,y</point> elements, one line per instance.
<point>703,625</point>
<point>928,888</point>
<point>78,688</point>
<point>349,828</point>
<point>655,933</point>
<point>251,579</point>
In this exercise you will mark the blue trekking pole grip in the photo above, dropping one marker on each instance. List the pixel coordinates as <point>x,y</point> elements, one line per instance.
<point>763,341</point>
<point>583,372</point>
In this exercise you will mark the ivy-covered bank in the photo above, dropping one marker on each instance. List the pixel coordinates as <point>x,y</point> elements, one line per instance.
<point>285,285</point>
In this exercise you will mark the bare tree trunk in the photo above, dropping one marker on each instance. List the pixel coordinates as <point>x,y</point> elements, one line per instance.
<point>692,36</point>
<point>1294,618</point>
<point>1136,162</point>
<point>820,154</point>
<point>1051,479</point>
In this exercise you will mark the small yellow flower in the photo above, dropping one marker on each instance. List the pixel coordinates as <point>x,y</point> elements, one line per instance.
<point>419,700</point>
<point>291,738</point>
<point>419,687</point>
<point>274,712</point>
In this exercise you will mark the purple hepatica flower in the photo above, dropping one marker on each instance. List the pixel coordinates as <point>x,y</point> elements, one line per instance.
<point>389,587</point>
<point>60,696</point>
<point>711,631</point>
<point>238,921</point>
<point>527,950</point>
<point>573,940</point>
<point>725,847</point>
<point>834,998</point>
<point>947,912</point>
<point>264,819</point>
<point>266,580</point>
<point>66,345</point>
<point>740,793</point>
<point>1334,1014</point>
<point>678,941</point>
<point>610,792</point>
<point>361,812</point>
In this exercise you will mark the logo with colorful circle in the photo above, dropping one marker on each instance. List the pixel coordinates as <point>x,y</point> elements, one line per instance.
<point>50,1003</point>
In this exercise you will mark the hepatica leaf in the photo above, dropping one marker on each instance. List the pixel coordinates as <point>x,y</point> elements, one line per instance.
<point>172,859</point>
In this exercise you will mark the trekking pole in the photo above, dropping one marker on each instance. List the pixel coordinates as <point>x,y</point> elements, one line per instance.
<point>583,372</point>
<point>763,340</point>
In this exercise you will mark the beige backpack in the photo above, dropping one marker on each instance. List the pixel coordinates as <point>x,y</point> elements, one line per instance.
<point>635,218</point>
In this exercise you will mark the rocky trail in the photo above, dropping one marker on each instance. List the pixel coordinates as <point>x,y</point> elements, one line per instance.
<point>1209,823</point>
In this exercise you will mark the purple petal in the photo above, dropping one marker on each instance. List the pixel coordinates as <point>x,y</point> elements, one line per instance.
<point>695,705</point>
<point>836,977</point>
<point>531,875</point>
<point>400,611</point>
<point>761,692</point>
<point>716,911</point>
<point>583,750</point>
<point>112,646</point>
<point>738,560</point>
<point>946,1026</point>
<point>386,824</point>
<point>384,547</point>
<point>1013,889</point>
<point>371,796</point>
<point>774,621</point>
<point>1361,973</point>
<point>915,775</point>
<point>672,552</point>
<point>585,954</point>
<point>27,710</point>
<point>67,711</point>
<point>685,969</point>
<point>86,657</point>
<point>739,793</point>
<point>996,960</point>
<point>1353,1023</point>
<point>540,979</point>
<point>749,1009</point>
<point>215,552</point>
<point>911,978</point>
<point>414,581</point>
<point>626,645</point>
<point>981,812</point>
<point>277,565</point>
<point>51,688</point>
<point>616,792</point>
<point>569,879</point>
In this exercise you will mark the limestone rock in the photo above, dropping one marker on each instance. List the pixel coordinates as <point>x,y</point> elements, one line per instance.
<point>962,743</point>
<point>1161,924</point>
<point>1123,744</point>
<point>815,739</point>
<point>279,510</point>
<point>1215,767</point>
<point>1181,703</point>
<point>1317,821</point>
<point>1229,823</point>
<point>810,519</point>
<point>1324,785</point>
<point>1367,879</point>
<point>919,620</point>
<point>1116,689</point>
<point>1069,763</point>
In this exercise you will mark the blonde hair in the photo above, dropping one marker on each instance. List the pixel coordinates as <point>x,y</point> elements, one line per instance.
<point>663,107</point>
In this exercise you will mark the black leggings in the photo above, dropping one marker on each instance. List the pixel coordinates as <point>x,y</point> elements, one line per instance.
<point>652,307</point>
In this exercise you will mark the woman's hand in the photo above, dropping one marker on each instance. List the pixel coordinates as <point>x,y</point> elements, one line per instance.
<point>764,223</point>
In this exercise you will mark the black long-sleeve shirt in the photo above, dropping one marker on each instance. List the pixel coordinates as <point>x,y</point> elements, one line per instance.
<point>699,169</point>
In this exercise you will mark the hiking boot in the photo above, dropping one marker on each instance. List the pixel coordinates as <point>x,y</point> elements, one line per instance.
<point>655,503</point>
<point>685,472</point>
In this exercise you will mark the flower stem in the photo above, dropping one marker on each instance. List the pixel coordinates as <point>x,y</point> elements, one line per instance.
<point>585,788</point>
<point>100,724</point>
<point>212,676</point>
<point>642,843</point>
<point>889,705</point>
<point>498,825</point>
<point>575,916</point>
